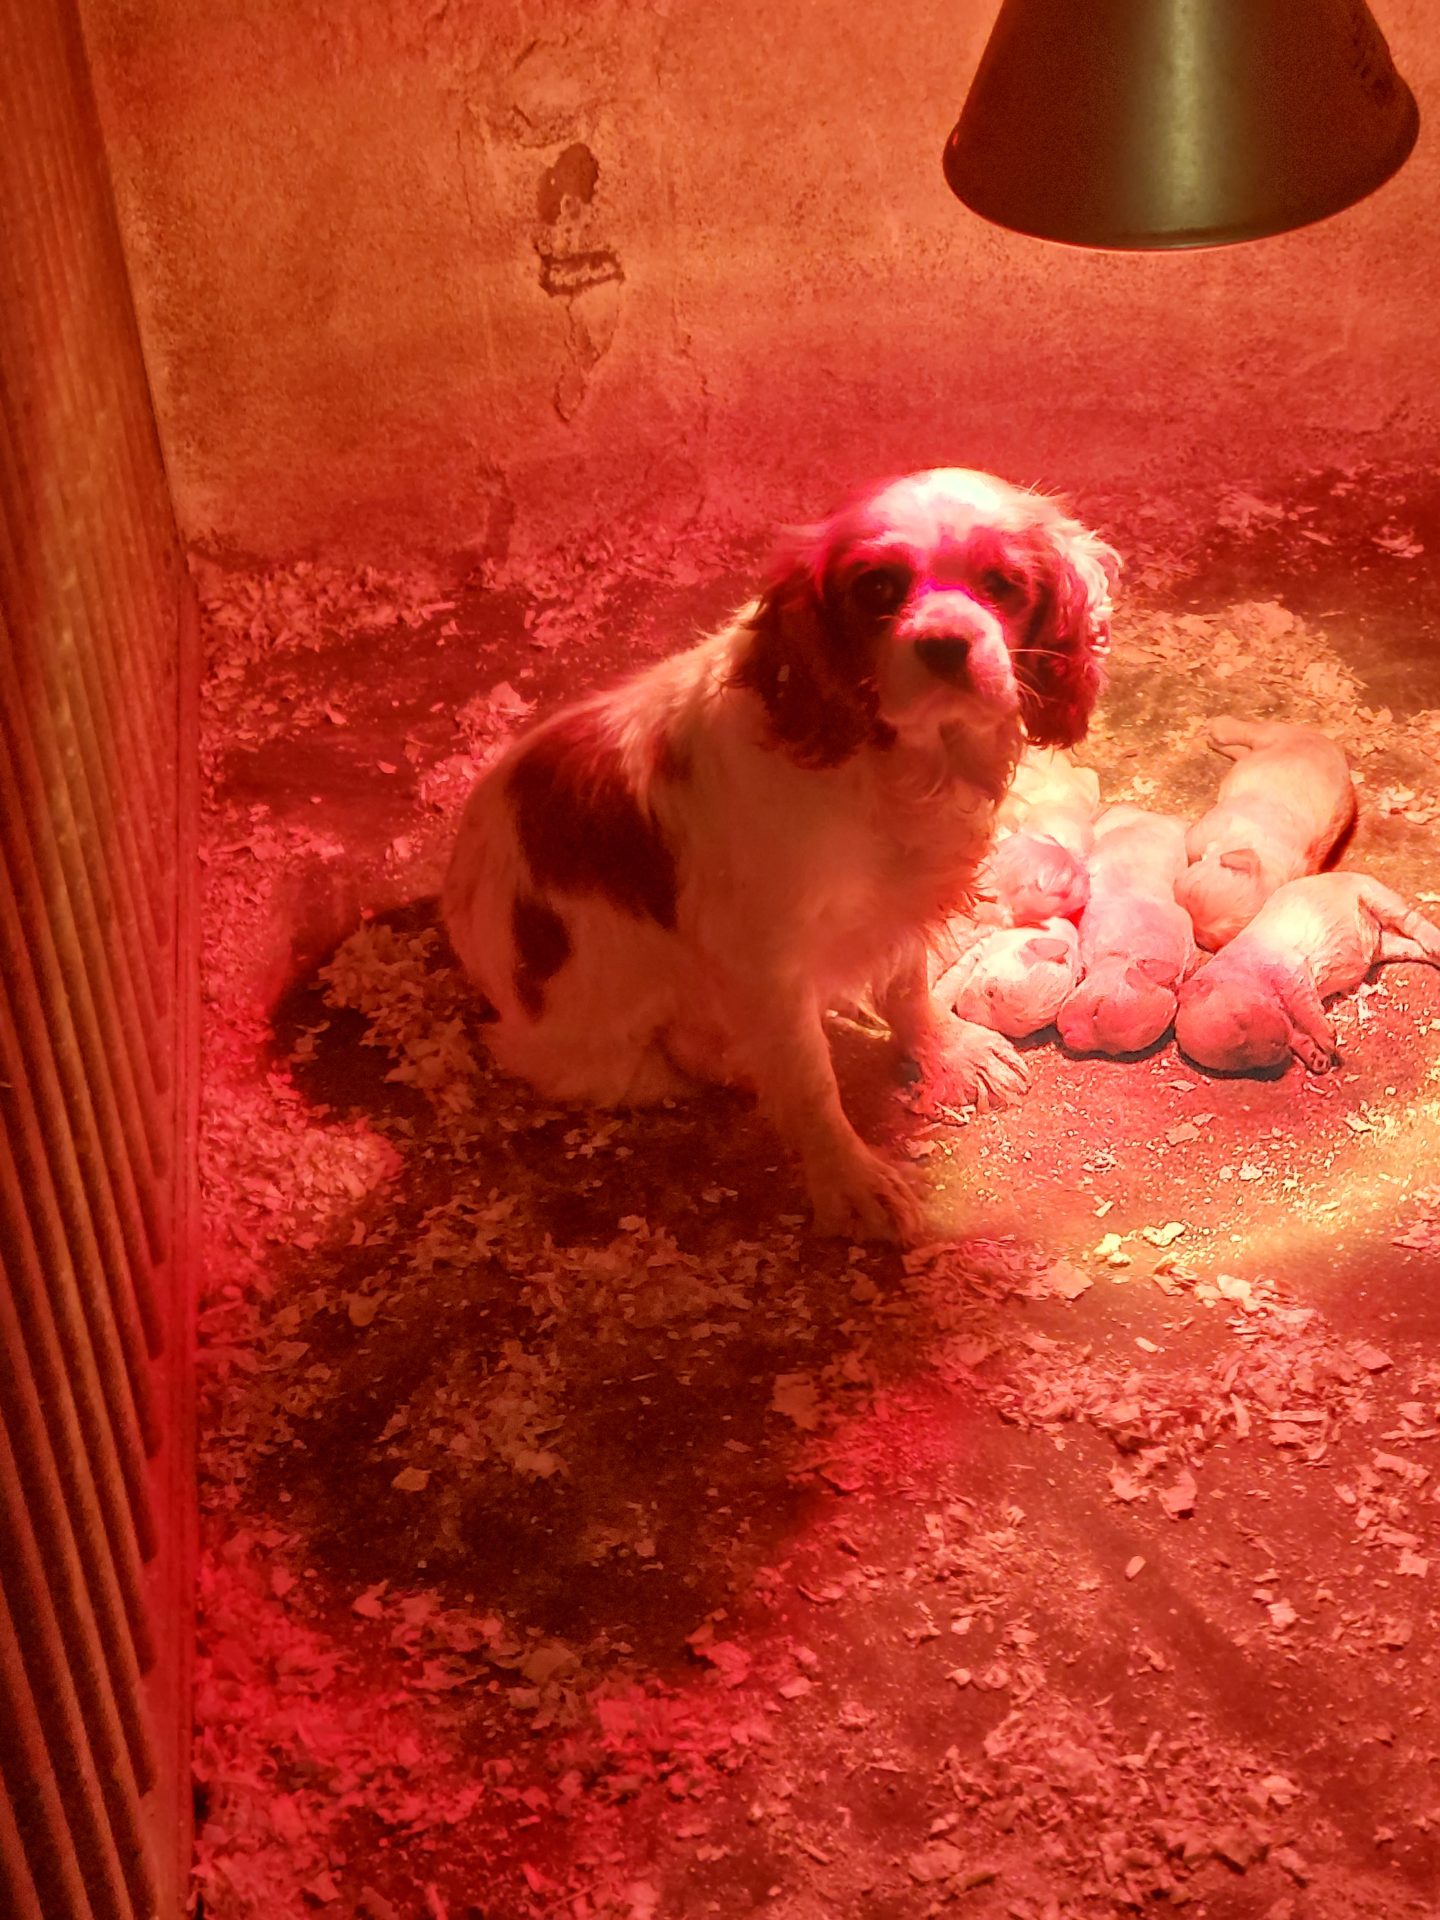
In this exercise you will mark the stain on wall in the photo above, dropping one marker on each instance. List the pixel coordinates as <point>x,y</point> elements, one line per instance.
<point>577,270</point>
<point>420,276</point>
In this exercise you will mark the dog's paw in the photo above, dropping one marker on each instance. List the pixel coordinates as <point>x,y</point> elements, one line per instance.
<point>966,1065</point>
<point>866,1197</point>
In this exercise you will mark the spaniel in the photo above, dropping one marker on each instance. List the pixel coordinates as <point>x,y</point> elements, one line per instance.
<point>671,881</point>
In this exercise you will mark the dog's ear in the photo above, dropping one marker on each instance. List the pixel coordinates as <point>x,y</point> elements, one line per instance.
<point>1069,636</point>
<point>807,666</point>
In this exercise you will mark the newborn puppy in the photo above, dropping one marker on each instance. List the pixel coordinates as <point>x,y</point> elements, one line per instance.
<point>1031,880</point>
<point>1051,794</point>
<point>1260,1000</point>
<point>1281,811</point>
<point>1037,871</point>
<point>1013,979</point>
<point>1136,945</point>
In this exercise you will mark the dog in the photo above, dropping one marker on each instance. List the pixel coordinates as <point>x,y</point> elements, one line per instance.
<point>1136,942</point>
<point>1262,998</point>
<point>1282,810</point>
<point>1044,829</point>
<point>670,882</point>
<point>1033,879</point>
<point>1014,979</point>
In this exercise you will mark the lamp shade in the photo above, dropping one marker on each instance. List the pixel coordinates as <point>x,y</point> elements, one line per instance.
<point>1178,123</point>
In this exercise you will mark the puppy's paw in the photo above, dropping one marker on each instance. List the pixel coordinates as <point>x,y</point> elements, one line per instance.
<point>1312,1053</point>
<point>966,1065</point>
<point>865,1197</point>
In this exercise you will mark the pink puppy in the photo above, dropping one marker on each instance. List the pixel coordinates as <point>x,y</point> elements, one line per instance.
<point>1013,979</point>
<point>1052,793</point>
<point>1282,809</point>
<point>1135,942</point>
<point>1033,879</point>
<point>1045,823</point>
<point>1260,1001</point>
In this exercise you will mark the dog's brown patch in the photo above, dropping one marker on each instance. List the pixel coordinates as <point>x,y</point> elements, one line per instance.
<point>668,759</point>
<point>813,678</point>
<point>1060,666</point>
<point>542,946</point>
<point>580,826</point>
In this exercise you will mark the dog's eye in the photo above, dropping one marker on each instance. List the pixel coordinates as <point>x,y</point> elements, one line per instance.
<point>879,590</point>
<point>999,587</point>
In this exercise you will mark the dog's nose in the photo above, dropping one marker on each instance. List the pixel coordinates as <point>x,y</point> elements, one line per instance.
<point>945,657</point>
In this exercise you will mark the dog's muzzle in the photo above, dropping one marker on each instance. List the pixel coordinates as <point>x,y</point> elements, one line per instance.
<point>961,645</point>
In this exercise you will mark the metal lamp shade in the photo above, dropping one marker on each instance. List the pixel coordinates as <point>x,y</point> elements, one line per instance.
<point>1178,123</point>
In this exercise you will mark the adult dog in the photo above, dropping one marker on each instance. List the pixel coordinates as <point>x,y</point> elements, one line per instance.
<point>674,879</point>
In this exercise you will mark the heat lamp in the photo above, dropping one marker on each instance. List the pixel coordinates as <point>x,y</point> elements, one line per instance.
<point>1153,124</point>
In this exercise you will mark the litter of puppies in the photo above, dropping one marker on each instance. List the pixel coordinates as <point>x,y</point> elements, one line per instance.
<point>1248,881</point>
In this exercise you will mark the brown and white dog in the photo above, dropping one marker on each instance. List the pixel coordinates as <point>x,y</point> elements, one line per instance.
<point>671,881</point>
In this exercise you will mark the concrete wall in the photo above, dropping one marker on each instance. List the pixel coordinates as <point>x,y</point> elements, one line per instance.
<point>461,274</point>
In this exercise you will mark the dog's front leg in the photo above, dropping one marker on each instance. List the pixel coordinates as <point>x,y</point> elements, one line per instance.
<point>853,1190</point>
<point>961,1063</point>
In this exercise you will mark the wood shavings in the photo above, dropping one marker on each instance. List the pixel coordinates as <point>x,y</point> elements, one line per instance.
<point>1399,541</point>
<point>1164,1236</point>
<point>1179,1499</point>
<point>1422,1234</point>
<point>1127,1486</point>
<point>1109,1249</point>
<point>1374,1359</point>
<point>1065,1280</point>
<point>732,1663</point>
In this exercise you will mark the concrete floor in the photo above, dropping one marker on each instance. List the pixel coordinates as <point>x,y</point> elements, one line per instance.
<point>583,1538</point>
